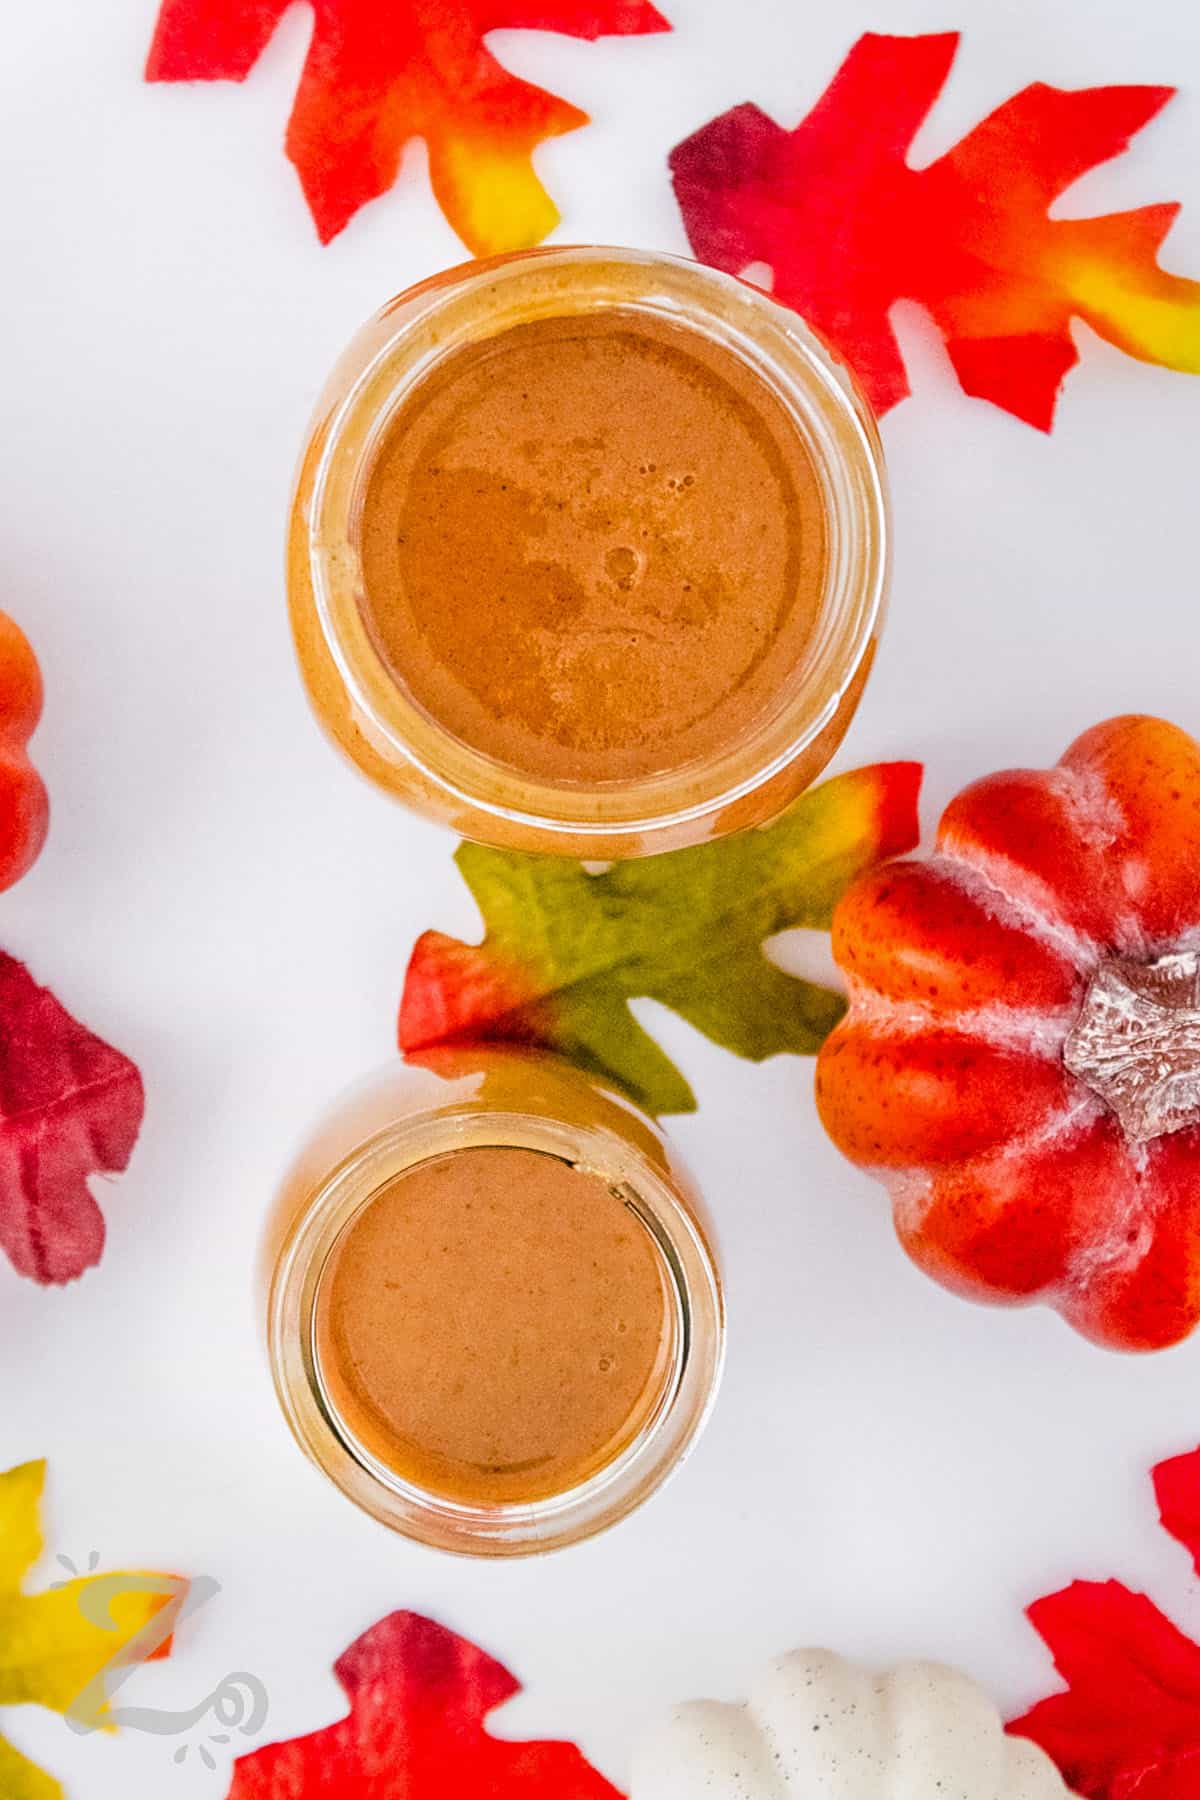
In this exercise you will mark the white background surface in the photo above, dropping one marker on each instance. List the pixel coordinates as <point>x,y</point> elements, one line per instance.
<point>890,1470</point>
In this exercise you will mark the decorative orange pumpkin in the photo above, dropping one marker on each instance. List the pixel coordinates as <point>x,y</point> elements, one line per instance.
<point>24,809</point>
<point>1020,1063</point>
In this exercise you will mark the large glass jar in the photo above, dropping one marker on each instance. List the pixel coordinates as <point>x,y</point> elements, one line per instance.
<point>680,792</point>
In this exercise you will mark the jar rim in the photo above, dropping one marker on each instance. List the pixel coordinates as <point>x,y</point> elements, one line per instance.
<point>501,1528</point>
<point>482,299</point>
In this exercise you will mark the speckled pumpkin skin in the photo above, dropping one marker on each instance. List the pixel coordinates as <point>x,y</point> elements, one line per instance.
<point>817,1727</point>
<point>1011,1179</point>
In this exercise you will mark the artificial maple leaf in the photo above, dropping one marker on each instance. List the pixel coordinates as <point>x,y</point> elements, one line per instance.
<point>1128,1725</point>
<point>419,1696</point>
<point>849,227</point>
<point>70,1106</point>
<point>566,951</point>
<point>1177,1490</point>
<point>51,1647</point>
<point>380,72</point>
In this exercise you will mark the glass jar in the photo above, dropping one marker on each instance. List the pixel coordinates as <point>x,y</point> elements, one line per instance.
<point>413,1117</point>
<point>396,741</point>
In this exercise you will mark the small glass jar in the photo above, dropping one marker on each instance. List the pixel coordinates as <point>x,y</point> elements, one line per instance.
<point>398,744</point>
<point>409,1117</point>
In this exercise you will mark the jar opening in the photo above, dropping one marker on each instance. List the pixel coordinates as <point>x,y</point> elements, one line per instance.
<point>496,1328</point>
<point>486,770</point>
<point>594,547</point>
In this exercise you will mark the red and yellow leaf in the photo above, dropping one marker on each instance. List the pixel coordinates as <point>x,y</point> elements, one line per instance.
<point>1128,1725</point>
<point>381,72</point>
<point>70,1107</point>
<point>849,227</point>
<point>419,1698</point>
<point>51,1645</point>
<point>564,952</point>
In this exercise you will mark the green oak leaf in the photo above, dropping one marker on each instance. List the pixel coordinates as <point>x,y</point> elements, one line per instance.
<point>565,951</point>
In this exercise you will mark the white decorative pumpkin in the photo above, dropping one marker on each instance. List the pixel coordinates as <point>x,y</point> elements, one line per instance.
<point>818,1728</point>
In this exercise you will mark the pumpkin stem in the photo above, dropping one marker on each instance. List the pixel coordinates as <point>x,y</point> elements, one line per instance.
<point>1136,1042</point>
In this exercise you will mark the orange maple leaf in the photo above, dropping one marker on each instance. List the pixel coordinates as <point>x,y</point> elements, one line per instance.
<point>849,228</point>
<point>380,72</point>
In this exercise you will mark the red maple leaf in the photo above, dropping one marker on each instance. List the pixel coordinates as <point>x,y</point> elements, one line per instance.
<point>380,72</point>
<point>70,1106</point>
<point>849,227</point>
<point>418,1700</point>
<point>1128,1725</point>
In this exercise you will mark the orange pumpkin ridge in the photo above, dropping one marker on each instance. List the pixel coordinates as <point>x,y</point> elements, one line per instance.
<point>24,805</point>
<point>1051,913</point>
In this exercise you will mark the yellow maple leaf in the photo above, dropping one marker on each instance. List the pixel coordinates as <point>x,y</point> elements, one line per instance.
<point>54,1646</point>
